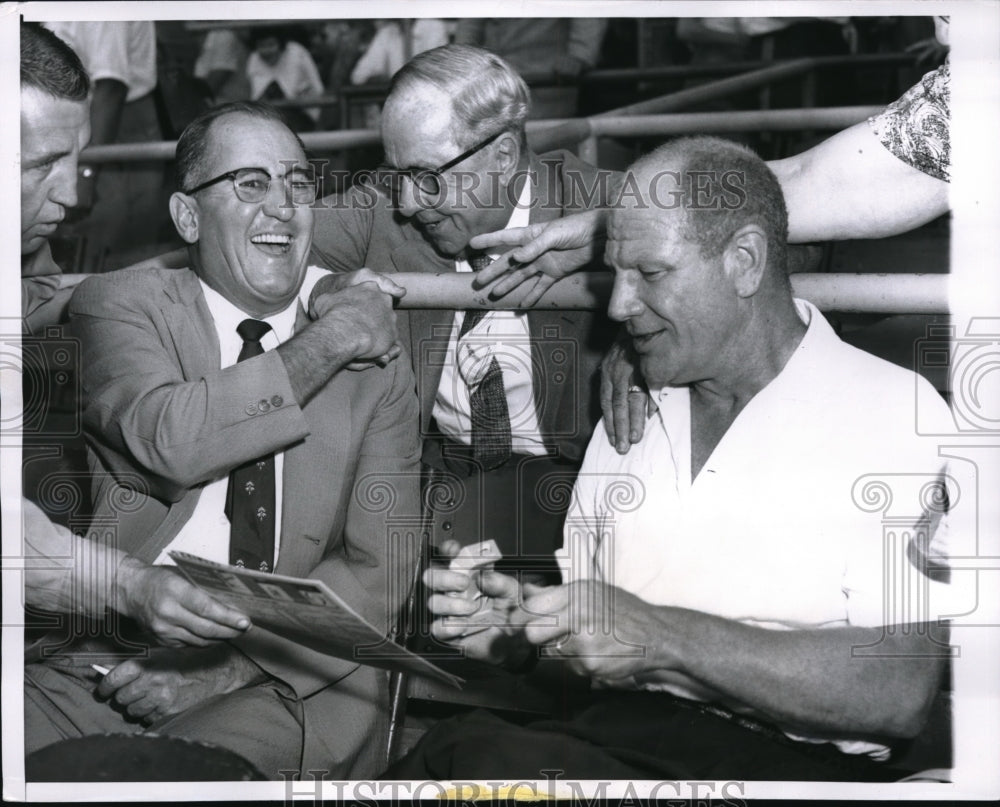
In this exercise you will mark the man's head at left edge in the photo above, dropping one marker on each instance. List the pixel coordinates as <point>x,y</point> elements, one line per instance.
<point>245,205</point>
<point>55,126</point>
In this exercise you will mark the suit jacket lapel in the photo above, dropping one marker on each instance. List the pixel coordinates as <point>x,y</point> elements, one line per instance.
<point>190,325</point>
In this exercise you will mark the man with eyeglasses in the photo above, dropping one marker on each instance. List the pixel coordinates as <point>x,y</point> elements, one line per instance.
<point>219,424</point>
<point>506,403</point>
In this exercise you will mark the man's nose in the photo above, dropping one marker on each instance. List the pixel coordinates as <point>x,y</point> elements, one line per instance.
<point>407,202</point>
<point>63,188</point>
<point>278,201</point>
<point>625,302</point>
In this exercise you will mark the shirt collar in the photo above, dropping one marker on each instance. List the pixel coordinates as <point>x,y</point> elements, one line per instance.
<point>228,316</point>
<point>815,341</point>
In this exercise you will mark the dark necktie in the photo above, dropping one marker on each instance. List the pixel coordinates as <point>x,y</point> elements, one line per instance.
<point>250,500</point>
<point>488,401</point>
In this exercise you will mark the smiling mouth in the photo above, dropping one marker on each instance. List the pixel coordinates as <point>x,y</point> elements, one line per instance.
<point>272,243</point>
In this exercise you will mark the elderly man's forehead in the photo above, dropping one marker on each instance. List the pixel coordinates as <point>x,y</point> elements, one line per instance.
<point>422,113</point>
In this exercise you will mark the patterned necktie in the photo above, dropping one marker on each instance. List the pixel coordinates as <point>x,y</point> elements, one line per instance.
<point>488,401</point>
<point>250,500</point>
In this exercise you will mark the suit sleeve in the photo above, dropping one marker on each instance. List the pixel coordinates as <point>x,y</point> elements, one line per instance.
<point>343,230</point>
<point>373,566</point>
<point>143,413</point>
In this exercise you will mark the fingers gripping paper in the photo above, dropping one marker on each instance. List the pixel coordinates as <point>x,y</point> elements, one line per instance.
<point>307,612</point>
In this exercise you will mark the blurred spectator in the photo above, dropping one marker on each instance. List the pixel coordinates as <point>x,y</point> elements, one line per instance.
<point>765,38</point>
<point>121,202</point>
<point>281,68</point>
<point>551,49</point>
<point>390,49</point>
<point>222,64</point>
<point>384,56</point>
<point>426,34</point>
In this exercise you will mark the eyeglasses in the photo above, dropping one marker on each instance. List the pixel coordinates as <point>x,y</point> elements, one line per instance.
<point>252,184</point>
<point>427,181</point>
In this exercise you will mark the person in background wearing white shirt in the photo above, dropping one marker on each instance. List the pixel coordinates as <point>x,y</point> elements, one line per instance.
<point>122,202</point>
<point>63,572</point>
<point>280,67</point>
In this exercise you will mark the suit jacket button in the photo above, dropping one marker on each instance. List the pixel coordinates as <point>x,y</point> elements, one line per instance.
<point>263,405</point>
<point>277,400</point>
<point>251,409</point>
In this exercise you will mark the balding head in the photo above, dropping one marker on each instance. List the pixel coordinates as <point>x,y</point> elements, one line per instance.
<point>719,186</point>
<point>697,242</point>
<point>483,93</point>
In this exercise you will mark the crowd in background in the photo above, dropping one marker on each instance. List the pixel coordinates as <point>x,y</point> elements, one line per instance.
<point>152,78</point>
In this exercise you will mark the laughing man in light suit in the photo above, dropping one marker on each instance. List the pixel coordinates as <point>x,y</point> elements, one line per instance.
<point>167,403</point>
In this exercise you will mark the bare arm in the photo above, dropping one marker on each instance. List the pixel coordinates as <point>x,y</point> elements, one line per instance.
<point>542,252</point>
<point>68,574</point>
<point>850,186</point>
<point>810,678</point>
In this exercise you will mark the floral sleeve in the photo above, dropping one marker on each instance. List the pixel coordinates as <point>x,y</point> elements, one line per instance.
<point>915,127</point>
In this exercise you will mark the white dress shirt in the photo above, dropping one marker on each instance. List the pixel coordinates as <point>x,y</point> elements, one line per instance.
<point>505,336</point>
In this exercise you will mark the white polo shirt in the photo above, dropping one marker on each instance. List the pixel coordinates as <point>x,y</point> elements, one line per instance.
<point>787,524</point>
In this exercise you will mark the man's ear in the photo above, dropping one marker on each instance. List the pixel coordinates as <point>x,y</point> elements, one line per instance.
<point>745,259</point>
<point>508,153</point>
<point>184,212</point>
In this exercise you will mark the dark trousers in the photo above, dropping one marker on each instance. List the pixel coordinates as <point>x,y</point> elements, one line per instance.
<point>520,505</point>
<point>627,735</point>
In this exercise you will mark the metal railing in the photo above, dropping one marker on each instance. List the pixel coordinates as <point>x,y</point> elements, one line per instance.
<point>874,293</point>
<point>545,135</point>
<point>848,293</point>
<point>375,92</point>
<point>677,123</point>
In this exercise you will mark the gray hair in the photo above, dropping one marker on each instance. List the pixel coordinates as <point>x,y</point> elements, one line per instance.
<point>487,94</point>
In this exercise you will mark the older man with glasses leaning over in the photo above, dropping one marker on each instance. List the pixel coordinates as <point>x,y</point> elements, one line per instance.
<point>506,397</point>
